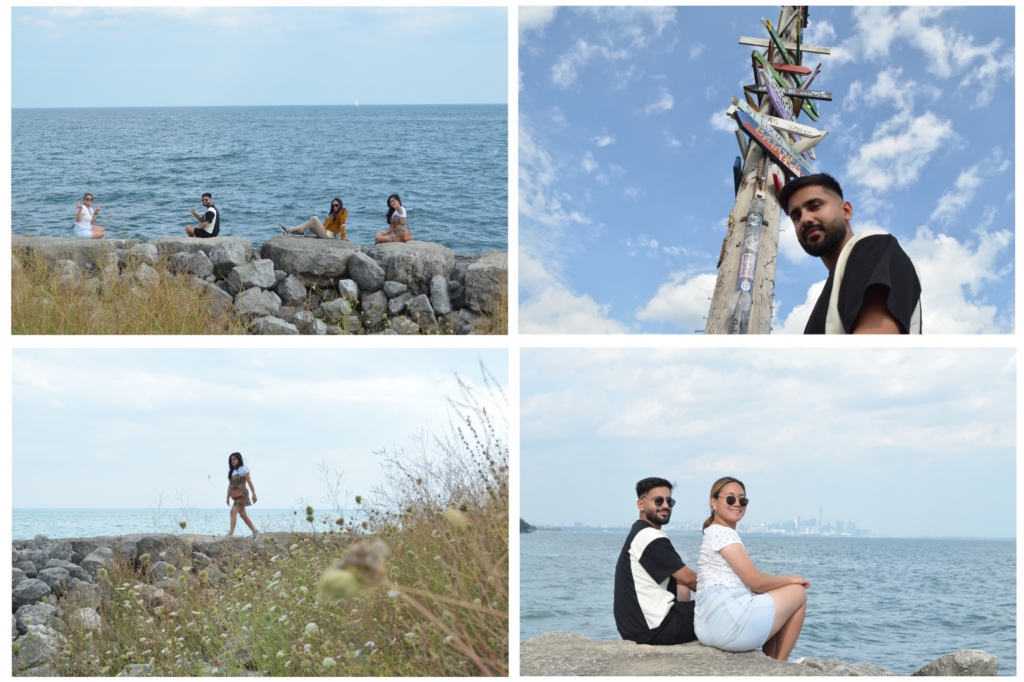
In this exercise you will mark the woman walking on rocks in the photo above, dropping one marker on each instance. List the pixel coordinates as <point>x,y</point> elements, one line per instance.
<point>334,226</point>
<point>739,608</point>
<point>397,230</point>
<point>238,476</point>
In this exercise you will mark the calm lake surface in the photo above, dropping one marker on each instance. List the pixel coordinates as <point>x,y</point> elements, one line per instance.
<point>894,603</point>
<point>264,165</point>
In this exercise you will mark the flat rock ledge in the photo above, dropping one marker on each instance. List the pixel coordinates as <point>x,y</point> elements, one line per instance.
<point>557,654</point>
<point>301,285</point>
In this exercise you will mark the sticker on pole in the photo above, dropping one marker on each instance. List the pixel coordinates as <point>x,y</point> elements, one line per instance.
<point>747,262</point>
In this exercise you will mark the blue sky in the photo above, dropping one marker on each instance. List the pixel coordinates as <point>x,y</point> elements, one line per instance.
<point>625,159</point>
<point>116,428</point>
<point>227,56</point>
<point>902,442</point>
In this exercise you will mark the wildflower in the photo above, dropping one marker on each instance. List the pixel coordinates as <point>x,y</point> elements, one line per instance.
<point>329,662</point>
<point>223,635</point>
<point>448,639</point>
<point>369,644</point>
<point>337,584</point>
<point>88,635</point>
<point>181,639</point>
<point>144,559</point>
<point>170,570</point>
<point>409,635</point>
<point>165,651</point>
<point>130,654</point>
<point>276,575</point>
<point>158,594</point>
<point>392,593</point>
<point>456,517</point>
<point>127,604</point>
<point>309,511</point>
<point>340,521</point>
<point>310,518</point>
<point>293,548</point>
<point>138,602</point>
<point>311,627</point>
<point>304,590</point>
<point>177,628</point>
<point>182,524</point>
<point>437,557</point>
<point>359,499</point>
<point>149,621</point>
<point>307,647</point>
<point>204,576</point>
<point>142,640</point>
<point>280,654</point>
<point>101,572</point>
<point>247,607</point>
<point>283,618</point>
<point>273,607</point>
<point>287,664</point>
<point>163,555</point>
<point>275,558</point>
<point>306,664</point>
<point>238,573</point>
<point>477,601</point>
<point>174,614</point>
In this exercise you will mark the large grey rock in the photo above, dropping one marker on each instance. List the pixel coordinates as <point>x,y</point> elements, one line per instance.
<point>201,559</point>
<point>37,647</point>
<point>309,324</point>
<point>168,246</point>
<point>459,272</point>
<point>439,296</point>
<point>200,265</point>
<point>147,276</point>
<point>255,303</point>
<point>458,297</point>
<point>225,257</point>
<point>347,288</point>
<point>89,254</point>
<point>335,311</point>
<point>14,626</point>
<point>28,568</point>
<point>419,310</point>
<point>374,305</point>
<point>41,549</point>
<point>87,618</point>
<point>83,593</point>
<point>259,273</point>
<point>966,662</point>
<point>291,290</point>
<point>56,579</point>
<point>145,253</point>
<point>34,614</point>
<point>487,281</point>
<point>414,263</point>
<point>841,669</point>
<point>29,592</point>
<point>392,289</point>
<point>17,576</point>
<point>565,653</point>
<point>99,557</point>
<point>271,325</point>
<point>138,670</point>
<point>68,271</point>
<point>469,321</point>
<point>403,325</point>
<point>179,262</point>
<point>220,300</point>
<point>314,261</point>
<point>366,273</point>
<point>73,570</point>
<point>396,306</point>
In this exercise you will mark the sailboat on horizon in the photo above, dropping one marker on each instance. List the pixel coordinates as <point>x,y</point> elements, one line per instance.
<point>357,103</point>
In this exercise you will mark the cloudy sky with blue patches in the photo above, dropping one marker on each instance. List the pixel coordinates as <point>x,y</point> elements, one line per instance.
<point>625,159</point>
<point>902,442</point>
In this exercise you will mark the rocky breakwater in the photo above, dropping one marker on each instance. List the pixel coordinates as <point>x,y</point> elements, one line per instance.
<point>59,584</point>
<point>569,654</point>
<point>303,285</point>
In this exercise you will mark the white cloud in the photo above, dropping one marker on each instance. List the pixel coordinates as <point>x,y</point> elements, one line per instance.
<point>604,140</point>
<point>671,141</point>
<point>695,50</point>
<point>683,301</point>
<point>664,103</point>
<point>631,23</point>
<point>797,318</point>
<point>789,245</point>
<point>588,162</point>
<point>898,150</point>
<point>887,87</point>
<point>535,20</point>
<point>962,193</point>
<point>566,70</point>
<point>551,308</point>
<point>719,121</point>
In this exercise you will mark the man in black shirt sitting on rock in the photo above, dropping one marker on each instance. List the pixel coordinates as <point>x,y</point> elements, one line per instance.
<point>209,222</point>
<point>876,290</point>
<point>652,584</point>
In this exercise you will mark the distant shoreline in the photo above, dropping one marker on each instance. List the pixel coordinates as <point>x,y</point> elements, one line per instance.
<point>624,531</point>
<point>266,106</point>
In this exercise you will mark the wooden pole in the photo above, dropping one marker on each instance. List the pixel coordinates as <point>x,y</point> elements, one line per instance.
<point>763,291</point>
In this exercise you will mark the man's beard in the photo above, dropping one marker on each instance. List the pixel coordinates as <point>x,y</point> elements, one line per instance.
<point>653,517</point>
<point>835,232</point>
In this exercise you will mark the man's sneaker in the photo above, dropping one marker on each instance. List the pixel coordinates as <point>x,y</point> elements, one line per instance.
<point>799,659</point>
<point>286,232</point>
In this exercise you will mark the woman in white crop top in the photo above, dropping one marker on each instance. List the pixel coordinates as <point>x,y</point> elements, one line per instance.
<point>739,608</point>
<point>398,230</point>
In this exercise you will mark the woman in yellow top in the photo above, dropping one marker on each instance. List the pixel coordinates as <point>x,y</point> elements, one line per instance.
<point>334,226</point>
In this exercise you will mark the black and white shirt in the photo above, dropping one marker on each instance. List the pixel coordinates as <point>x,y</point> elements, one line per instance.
<point>870,258</point>
<point>645,590</point>
<point>212,217</point>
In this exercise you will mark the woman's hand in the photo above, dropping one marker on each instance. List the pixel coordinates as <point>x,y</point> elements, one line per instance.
<point>254,497</point>
<point>799,580</point>
<point>227,501</point>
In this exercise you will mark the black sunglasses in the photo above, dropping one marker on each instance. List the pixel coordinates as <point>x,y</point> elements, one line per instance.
<point>659,500</point>
<point>731,500</point>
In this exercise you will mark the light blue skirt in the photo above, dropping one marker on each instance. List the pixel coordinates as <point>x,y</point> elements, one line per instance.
<point>733,618</point>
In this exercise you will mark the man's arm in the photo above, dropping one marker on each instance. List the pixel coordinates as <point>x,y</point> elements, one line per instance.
<point>874,316</point>
<point>684,576</point>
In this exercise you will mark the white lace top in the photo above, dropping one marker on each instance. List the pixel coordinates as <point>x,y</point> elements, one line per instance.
<point>712,568</point>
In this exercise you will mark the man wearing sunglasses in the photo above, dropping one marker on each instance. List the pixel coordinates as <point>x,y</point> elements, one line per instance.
<point>652,584</point>
<point>209,225</point>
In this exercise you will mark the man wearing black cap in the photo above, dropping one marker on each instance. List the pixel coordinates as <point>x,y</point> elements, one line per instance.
<point>872,286</point>
<point>652,584</point>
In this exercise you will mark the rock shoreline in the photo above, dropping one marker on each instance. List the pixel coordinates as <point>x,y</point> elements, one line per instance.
<point>301,285</point>
<point>58,581</point>
<point>555,654</point>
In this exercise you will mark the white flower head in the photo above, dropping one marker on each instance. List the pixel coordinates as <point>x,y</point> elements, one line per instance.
<point>311,627</point>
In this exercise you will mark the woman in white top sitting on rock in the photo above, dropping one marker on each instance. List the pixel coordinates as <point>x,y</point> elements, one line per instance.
<point>85,220</point>
<point>739,608</point>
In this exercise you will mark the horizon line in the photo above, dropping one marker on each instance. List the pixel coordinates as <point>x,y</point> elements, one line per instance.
<point>222,106</point>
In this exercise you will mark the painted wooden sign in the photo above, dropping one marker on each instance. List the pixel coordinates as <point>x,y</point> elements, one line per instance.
<point>763,43</point>
<point>791,92</point>
<point>784,108</point>
<point>812,111</point>
<point>791,68</point>
<point>773,143</point>
<point>811,137</point>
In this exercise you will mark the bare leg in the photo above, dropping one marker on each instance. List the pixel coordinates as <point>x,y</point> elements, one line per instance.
<point>234,519</point>
<point>191,230</point>
<point>382,238</point>
<point>311,224</point>
<point>97,232</point>
<point>248,521</point>
<point>790,609</point>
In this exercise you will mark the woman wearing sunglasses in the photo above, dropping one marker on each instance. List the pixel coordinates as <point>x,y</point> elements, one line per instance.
<point>334,226</point>
<point>85,220</point>
<point>739,608</point>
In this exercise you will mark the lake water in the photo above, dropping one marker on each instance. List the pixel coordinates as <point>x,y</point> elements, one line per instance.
<point>264,165</point>
<point>85,523</point>
<point>894,603</point>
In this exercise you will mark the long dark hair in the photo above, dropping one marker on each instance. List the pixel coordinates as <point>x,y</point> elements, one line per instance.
<point>391,211</point>
<point>241,462</point>
<point>341,207</point>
